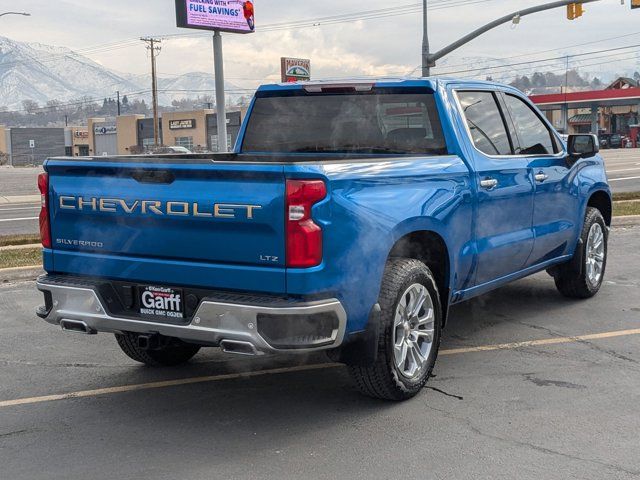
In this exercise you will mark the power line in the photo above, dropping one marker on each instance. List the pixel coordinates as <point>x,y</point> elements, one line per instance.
<point>480,69</point>
<point>555,49</point>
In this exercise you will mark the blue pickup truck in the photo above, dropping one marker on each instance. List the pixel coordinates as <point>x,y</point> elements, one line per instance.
<point>349,218</point>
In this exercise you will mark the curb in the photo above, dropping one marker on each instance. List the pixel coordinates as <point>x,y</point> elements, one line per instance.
<point>19,199</point>
<point>626,221</point>
<point>20,273</point>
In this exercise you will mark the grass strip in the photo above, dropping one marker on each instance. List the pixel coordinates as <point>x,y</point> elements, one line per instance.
<point>20,258</point>
<point>11,240</point>
<point>626,208</point>
<point>626,196</point>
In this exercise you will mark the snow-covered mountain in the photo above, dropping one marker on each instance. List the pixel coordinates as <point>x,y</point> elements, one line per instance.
<point>33,71</point>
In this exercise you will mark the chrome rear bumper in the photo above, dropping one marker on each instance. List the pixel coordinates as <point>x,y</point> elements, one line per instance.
<point>234,326</point>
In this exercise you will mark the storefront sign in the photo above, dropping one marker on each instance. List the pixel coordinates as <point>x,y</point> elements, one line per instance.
<point>295,69</point>
<point>81,134</point>
<point>105,129</point>
<point>236,16</point>
<point>182,124</point>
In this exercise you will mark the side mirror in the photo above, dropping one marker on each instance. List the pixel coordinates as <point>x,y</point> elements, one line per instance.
<point>582,146</point>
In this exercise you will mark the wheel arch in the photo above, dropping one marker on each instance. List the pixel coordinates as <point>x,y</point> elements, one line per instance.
<point>430,248</point>
<point>601,200</point>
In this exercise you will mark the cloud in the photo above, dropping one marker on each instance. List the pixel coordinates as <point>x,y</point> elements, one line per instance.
<point>383,46</point>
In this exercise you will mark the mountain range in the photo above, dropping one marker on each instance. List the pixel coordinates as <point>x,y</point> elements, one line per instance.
<point>38,72</point>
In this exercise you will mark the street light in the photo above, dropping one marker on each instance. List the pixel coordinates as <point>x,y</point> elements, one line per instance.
<point>25,14</point>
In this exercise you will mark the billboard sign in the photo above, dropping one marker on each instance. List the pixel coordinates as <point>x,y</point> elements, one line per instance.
<point>295,69</point>
<point>235,16</point>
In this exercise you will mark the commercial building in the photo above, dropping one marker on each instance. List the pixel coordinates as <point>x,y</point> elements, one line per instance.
<point>198,130</point>
<point>130,134</point>
<point>76,142</point>
<point>31,146</point>
<point>615,109</point>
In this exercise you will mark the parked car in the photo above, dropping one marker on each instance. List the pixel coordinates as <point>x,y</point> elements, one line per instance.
<point>615,141</point>
<point>352,230</point>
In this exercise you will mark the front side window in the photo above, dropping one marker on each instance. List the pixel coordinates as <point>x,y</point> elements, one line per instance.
<point>372,122</point>
<point>533,136</point>
<point>485,122</point>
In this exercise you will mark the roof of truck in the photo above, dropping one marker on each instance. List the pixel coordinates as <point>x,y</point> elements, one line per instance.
<point>408,82</point>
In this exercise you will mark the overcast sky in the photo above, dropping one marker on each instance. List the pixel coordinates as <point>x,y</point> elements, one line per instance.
<point>381,46</point>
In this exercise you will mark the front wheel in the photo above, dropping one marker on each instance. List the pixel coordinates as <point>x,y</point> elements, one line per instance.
<point>586,280</point>
<point>411,323</point>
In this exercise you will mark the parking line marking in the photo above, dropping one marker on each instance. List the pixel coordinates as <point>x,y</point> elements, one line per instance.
<point>163,384</point>
<point>29,218</point>
<point>544,341</point>
<point>302,368</point>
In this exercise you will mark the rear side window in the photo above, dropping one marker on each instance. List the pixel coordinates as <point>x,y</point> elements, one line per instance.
<point>485,122</point>
<point>385,123</point>
<point>533,136</point>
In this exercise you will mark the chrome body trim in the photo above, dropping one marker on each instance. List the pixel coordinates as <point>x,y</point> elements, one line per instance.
<point>213,322</point>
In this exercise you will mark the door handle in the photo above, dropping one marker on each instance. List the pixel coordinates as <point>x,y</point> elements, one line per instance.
<point>489,183</point>
<point>541,177</point>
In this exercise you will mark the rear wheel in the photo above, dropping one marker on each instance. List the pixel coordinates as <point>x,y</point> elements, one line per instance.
<point>411,322</point>
<point>584,282</point>
<point>172,352</point>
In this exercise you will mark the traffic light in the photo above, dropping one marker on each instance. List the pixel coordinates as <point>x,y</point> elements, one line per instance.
<point>635,4</point>
<point>575,10</point>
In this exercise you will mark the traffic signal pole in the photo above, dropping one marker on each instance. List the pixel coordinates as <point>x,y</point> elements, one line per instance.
<point>429,59</point>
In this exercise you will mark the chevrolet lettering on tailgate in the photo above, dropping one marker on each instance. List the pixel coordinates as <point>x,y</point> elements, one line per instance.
<point>156,207</point>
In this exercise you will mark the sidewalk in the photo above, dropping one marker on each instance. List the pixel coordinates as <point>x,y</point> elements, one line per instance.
<point>19,199</point>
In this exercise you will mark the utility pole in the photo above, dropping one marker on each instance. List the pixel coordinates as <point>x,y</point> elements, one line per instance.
<point>221,110</point>
<point>426,69</point>
<point>154,49</point>
<point>118,95</point>
<point>431,58</point>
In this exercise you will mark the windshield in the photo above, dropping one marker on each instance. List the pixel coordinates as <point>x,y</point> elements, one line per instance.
<point>385,123</point>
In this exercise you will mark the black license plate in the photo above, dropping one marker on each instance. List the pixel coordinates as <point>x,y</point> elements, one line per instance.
<point>161,302</point>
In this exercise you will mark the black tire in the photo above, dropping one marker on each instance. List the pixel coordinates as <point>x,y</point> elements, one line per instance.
<point>383,379</point>
<point>574,282</point>
<point>174,353</point>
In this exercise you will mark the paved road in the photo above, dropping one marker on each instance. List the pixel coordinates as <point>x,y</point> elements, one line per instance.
<point>19,181</point>
<point>551,411</point>
<point>19,218</point>
<point>623,166</point>
<point>623,169</point>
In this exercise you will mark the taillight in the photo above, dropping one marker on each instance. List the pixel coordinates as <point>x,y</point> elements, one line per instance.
<point>304,236</point>
<point>45,228</point>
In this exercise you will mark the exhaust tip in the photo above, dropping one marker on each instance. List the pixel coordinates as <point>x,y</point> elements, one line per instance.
<point>238,347</point>
<point>76,326</point>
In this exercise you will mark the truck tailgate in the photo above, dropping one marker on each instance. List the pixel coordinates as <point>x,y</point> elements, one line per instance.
<point>202,223</point>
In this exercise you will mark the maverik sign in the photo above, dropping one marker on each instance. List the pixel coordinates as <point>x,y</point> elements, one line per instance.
<point>295,69</point>
<point>236,16</point>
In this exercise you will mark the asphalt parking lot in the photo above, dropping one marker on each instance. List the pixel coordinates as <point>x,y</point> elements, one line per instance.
<point>563,404</point>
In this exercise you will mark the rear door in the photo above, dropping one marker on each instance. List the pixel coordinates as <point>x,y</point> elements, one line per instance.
<point>556,198</point>
<point>504,234</point>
